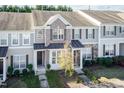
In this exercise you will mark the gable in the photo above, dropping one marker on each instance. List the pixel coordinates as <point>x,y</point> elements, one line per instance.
<point>57,17</point>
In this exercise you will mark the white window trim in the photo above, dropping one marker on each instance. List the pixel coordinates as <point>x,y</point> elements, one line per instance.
<point>6,39</point>
<point>109,50</point>
<point>23,39</point>
<point>75,33</point>
<point>19,62</point>
<point>58,33</point>
<point>90,32</point>
<point>56,51</point>
<point>13,38</point>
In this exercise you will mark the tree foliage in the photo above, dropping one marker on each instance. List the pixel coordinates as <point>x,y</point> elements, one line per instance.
<point>28,9</point>
<point>65,60</point>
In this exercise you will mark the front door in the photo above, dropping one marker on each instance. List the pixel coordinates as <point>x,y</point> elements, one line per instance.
<point>1,66</point>
<point>40,58</point>
<point>76,58</point>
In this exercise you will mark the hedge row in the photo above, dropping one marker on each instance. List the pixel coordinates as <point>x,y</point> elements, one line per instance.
<point>105,61</point>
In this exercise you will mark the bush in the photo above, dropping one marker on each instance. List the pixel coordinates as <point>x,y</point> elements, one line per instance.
<point>105,61</point>
<point>10,71</point>
<point>16,73</point>
<point>48,66</point>
<point>90,75</point>
<point>79,80</point>
<point>87,63</point>
<point>24,71</point>
<point>30,67</point>
<point>118,60</point>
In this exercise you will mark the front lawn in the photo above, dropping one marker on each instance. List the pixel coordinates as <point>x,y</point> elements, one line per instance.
<point>108,72</point>
<point>28,81</point>
<point>54,79</point>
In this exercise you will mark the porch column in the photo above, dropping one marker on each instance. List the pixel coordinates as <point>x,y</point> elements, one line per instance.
<point>81,59</point>
<point>4,69</point>
<point>72,58</point>
<point>35,60</point>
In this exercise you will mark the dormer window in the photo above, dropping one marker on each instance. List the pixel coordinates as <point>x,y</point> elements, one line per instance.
<point>58,34</point>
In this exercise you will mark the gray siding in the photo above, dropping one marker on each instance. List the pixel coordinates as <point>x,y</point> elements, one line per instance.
<point>39,38</point>
<point>85,40</point>
<point>20,51</point>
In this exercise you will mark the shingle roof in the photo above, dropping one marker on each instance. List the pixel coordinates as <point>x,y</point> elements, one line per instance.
<point>3,51</point>
<point>106,17</point>
<point>75,19</point>
<point>76,44</point>
<point>50,46</point>
<point>15,21</point>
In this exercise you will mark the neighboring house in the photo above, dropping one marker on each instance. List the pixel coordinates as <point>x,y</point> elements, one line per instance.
<point>38,38</point>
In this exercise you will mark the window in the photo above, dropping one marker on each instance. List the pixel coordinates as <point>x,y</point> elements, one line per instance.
<point>109,50</point>
<point>19,62</point>
<point>58,34</point>
<point>109,30</point>
<point>3,39</point>
<point>87,56</point>
<point>15,39</point>
<point>122,30</point>
<point>55,55</point>
<point>77,33</point>
<point>26,39</point>
<point>40,33</point>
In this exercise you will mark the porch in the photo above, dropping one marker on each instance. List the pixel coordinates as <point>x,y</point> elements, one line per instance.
<point>3,68</point>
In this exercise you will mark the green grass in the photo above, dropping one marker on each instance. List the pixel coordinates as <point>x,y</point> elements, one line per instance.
<point>54,79</point>
<point>28,81</point>
<point>111,72</point>
<point>31,81</point>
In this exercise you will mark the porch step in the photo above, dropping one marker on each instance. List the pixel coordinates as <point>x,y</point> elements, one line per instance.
<point>79,71</point>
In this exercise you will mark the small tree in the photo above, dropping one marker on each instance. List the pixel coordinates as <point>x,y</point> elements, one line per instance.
<point>10,71</point>
<point>65,60</point>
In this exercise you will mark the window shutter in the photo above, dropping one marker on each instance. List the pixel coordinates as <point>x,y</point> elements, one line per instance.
<point>115,29</point>
<point>86,33</point>
<point>50,34</point>
<point>103,50</point>
<point>120,29</point>
<point>11,61</point>
<point>103,30</point>
<point>93,33</point>
<point>80,33</point>
<point>72,33</point>
<point>114,49</point>
<point>26,60</point>
<point>64,34</point>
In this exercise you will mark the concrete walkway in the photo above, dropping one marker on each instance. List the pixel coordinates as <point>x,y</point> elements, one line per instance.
<point>42,77</point>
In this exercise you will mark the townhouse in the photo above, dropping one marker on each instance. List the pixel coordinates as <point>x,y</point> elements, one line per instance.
<point>38,38</point>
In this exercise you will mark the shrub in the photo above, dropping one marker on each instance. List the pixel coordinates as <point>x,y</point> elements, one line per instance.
<point>10,71</point>
<point>90,75</point>
<point>118,60</point>
<point>79,80</point>
<point>24,71</point>
<point>16,73</point>
<point>48,66</point>
<point>87,63</point>
<point>105,61</point>
<point>30,67</point>
<point>108,62</point>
